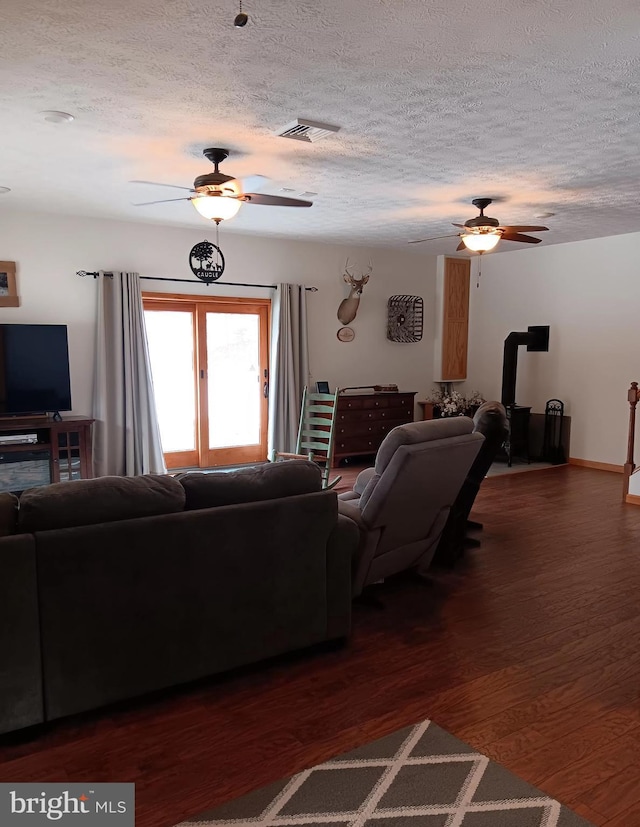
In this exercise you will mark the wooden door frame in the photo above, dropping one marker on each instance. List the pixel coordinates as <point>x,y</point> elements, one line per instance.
<point>198,305</point>
<point>191,458</point>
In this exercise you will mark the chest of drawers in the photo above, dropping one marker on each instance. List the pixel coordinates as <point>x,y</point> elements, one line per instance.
<point>364,419</point>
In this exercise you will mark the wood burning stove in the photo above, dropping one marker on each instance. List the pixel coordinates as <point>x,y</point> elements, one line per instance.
<point>536,339</point>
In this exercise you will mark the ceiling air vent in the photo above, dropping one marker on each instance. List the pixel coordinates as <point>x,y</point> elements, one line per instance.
<point>309,131</point>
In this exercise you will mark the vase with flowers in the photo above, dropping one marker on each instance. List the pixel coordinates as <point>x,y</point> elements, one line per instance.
<point>447,401</point>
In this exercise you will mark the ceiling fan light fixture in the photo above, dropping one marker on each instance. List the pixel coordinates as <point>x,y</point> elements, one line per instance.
<point>216,206</point>
<point>481,242</point>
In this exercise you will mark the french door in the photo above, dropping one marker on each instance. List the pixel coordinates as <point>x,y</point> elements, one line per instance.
<point>209,359</point>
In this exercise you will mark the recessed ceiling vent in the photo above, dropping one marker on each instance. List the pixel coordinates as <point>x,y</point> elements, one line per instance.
<point>310,131</point>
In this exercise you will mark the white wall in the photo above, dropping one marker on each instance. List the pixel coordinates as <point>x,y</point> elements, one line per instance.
<point>589,293</point>
<point>49,249</point>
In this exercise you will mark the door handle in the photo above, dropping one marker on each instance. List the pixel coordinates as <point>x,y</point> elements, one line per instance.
<point>265,390</point>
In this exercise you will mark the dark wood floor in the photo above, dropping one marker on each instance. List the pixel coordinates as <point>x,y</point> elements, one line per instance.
<point>530,651</point>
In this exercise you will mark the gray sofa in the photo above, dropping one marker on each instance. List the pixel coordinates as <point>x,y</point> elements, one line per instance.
<point>116,587</point>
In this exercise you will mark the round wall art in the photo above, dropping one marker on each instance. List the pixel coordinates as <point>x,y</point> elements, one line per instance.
<point>206,261</point>
<point>346,334</point>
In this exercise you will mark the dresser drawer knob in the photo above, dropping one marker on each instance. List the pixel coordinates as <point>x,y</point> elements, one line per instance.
<point>370,428</point>
<point>383,414</point>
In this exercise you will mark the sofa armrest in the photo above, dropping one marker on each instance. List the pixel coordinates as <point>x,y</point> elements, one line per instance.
<point>341,550</point>
<point>348,509</point>
<point>363,479</point>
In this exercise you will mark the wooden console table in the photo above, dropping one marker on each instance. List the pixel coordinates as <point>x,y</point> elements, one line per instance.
<point>65,445</point>
<point>364,419</point>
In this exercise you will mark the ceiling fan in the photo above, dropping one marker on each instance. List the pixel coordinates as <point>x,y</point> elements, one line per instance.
<point>218,196</point>
<point>483,233</point>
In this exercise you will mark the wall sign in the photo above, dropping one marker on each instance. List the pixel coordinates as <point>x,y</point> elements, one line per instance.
<point>206,261</point>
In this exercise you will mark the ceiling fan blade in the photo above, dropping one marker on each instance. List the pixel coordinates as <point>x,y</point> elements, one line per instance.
<point>461,226</point>
<point>523,229</point>
<point>461,246</point>
<point>519,237</point>
<point>253,182</point>
<point>157,184</point>
<point>434,238</point>
<point>274,200</point>
<point>163,201</point>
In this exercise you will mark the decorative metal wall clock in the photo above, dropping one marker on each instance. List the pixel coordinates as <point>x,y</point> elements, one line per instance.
<point>404,319</point>
<point>206,261</point>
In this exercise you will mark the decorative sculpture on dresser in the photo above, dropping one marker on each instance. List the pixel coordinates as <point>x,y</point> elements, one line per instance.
<point>349,306</point>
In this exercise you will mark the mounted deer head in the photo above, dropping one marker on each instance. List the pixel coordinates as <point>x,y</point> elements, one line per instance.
<point>349,306</point>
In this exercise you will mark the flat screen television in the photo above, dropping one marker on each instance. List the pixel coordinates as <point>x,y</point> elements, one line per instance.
<point>34,369</point>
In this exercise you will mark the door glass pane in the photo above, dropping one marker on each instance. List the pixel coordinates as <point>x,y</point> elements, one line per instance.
<point>170,337</point>
<point>233,359</point>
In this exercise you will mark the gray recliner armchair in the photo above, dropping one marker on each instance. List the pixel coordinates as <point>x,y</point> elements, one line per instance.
<point>402,504</point>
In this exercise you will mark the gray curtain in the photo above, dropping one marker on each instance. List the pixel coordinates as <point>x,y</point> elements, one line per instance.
<point>289,365</point>
<point>126,437</point>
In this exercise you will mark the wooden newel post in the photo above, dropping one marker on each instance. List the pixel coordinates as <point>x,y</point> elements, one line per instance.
<point>632,397</point>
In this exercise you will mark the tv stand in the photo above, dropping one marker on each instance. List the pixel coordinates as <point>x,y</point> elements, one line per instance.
<point>63,444</point>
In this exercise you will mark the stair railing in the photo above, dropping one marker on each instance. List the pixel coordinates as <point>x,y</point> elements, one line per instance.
<point>633,396</point>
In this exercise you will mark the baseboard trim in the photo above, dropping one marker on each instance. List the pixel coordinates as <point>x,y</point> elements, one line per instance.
<point>599,466</point>
<point>632,499</point>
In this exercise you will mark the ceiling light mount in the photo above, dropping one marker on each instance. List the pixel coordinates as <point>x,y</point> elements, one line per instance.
<point>54,116</point>
<point>481,203</point>
<point>216,155</point>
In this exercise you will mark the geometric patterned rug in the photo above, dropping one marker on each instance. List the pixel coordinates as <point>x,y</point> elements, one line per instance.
<point>420,776</point>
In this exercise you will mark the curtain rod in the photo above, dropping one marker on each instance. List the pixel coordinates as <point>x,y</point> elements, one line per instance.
<point>83,273</point>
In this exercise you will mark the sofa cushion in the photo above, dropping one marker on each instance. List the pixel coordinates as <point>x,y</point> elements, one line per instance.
<point>103,500</point>
<point>261,482</point>
<point>8,514</point>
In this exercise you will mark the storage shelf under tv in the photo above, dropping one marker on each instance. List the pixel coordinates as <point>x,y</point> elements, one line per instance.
<point>65,445</point>
<point>32,447</point>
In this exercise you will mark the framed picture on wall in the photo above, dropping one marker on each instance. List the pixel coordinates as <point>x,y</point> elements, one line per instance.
<point>8,288</point>
<point>322,387</point>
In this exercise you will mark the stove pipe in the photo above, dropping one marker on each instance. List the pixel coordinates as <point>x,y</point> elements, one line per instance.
<point>536,339</point>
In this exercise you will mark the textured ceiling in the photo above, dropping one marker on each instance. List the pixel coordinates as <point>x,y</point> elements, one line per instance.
<point>533,101</point>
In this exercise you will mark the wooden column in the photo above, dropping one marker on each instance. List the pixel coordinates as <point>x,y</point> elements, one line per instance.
<point>455,319</point>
